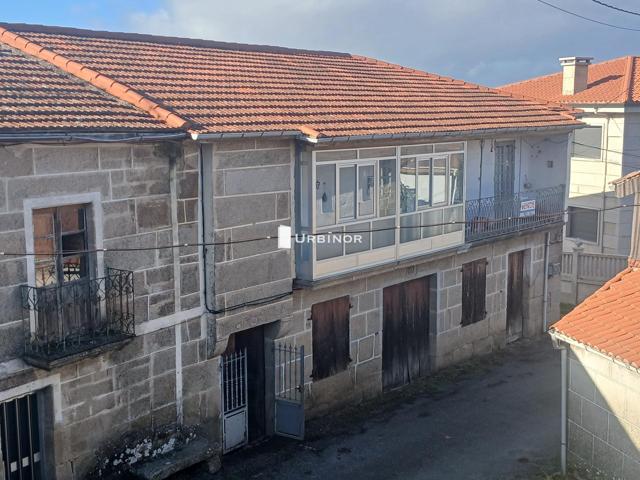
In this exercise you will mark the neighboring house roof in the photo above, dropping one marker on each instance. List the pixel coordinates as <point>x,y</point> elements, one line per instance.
<point>222,88</point>
<point>609,320</point>
<point>37,96</point>
<point>615,81</point>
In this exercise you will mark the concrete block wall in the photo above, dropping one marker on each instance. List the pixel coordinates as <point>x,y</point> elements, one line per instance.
<point>148,195</point>
<point>603,416</point>
<point>450,341</point>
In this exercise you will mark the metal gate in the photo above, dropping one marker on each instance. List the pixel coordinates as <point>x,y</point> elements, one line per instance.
<point>289,377</point>
<point>21,438</point>
<point>233,386</point>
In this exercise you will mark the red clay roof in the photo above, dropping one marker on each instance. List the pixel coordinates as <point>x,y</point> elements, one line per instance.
<point>229,88</point>
<point>615,81</point>
<point>38,96</point>
<point>609,320</point>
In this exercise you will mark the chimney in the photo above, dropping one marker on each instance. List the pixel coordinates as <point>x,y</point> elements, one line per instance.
<point>575,74</point>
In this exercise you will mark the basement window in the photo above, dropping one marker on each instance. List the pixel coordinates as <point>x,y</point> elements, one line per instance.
<point>474,291</point>
<point>330,335</point>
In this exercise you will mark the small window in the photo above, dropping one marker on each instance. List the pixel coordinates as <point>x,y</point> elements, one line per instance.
<point>60,241</point>
<point>474,291</point>
<point>330,332</point>
<point>408,185</point>
<point>587,142</point>
<point>456,177</point>
<point>583,224</point>
<point>347,192</point>
<point>326,195</point>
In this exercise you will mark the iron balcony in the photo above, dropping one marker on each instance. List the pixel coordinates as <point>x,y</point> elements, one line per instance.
<point>495,216</point>
<point>65,322</point>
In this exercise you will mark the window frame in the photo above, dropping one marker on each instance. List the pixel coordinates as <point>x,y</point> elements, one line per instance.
<point>603,134</point>
<point>580,239</point>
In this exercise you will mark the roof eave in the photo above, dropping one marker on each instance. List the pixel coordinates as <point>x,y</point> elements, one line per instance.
<point>89,137</point>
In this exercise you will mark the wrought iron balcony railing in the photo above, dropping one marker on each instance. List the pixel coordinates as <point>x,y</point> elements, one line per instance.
<point>69,320</point>
<point>495,216</point>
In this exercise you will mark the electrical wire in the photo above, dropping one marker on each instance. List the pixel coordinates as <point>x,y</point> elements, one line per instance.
<point>558,214</point>
<point>613,7</point>
<point>619,27</point>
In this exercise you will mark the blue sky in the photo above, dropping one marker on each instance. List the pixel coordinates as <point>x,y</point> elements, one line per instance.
<point>485,41</point>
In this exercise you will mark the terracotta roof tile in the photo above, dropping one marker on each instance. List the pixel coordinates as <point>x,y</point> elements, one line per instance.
<point>608,320</point>
<point>37,96</point>
<point>231,88</point>
<point>615,81</point>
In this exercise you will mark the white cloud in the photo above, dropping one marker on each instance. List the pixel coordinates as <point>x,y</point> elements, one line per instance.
<point>487,41</point>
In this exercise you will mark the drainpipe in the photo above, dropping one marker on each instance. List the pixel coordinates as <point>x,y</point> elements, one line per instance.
<point>545,289</point>
<point>563,412</point>
<point>480,178</point>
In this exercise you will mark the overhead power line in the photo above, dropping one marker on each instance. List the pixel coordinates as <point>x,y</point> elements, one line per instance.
<point>556,214</point>
<point>613,7</point>
<point>619,27</point>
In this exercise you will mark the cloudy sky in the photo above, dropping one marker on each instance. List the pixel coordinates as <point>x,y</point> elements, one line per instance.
<point>491,42</point>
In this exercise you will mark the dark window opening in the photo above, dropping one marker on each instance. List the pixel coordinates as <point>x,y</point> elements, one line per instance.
<point>474,291</point>
<point>60,241</point>
<point>20,433</point>
<point>583,224</point>
<point>330,331</point>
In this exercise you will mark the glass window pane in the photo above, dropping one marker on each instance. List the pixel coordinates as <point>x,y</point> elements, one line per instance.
<point>387,185</point>
<point>359,240</point>
<point>377,152</point>
<point>325,195</point>
<point>385,234</point>
<point>424,182</point>
<point>416,150</point>
<point>74,268</point>
<point>366,192</point>
<point>327,245</point>
<point>439,194</point>
<point>409,228</point>
<point>456,177</point>
<point>408,185</point>
<point>583,224</point>
<point>455,214</point>
<point>71,218</point>
<point>587,142</point>
<point>347,192</point>
<point>433,218</point>
<point>337,155</point>
<point>448,147</point>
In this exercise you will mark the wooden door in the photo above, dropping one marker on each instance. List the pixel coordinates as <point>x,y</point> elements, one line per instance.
<point>515,289</point>
<point>405,334</point>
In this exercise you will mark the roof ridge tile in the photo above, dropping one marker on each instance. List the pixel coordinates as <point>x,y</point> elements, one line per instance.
<point>97,79</point>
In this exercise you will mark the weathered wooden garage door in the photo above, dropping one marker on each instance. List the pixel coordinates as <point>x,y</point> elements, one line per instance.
<point>515,286</point>
<point>405,334</point>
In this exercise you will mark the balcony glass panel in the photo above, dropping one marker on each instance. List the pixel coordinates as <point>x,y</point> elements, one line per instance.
<point>424,183</point>
<point>456,177</point>
<point>387,192</point>
<point>366,189</point>
<point>384,232</point>
<point>453,217</point>
<point>433,223</point>
<point>439,165</point>
<point>359,239</point>
<point>325,195</point>
<point>409,230</point>
<point>347,192</point>
<point>408,185</point>
<point>329,243</point>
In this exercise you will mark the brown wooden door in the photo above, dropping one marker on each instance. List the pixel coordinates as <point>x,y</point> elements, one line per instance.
<point>515,288</point>
<point>405,333</point>
<point>330,337</point>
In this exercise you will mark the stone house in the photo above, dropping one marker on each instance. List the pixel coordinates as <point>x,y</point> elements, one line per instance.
<point>600,362</point>
<point>607,96</point>
<point>143,184</point>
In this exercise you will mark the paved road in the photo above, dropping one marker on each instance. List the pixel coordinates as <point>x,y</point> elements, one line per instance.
<point>499,419</point>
